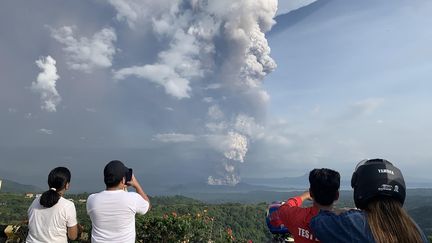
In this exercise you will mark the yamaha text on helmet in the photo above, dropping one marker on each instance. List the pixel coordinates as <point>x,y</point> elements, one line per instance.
<point>377,178</point>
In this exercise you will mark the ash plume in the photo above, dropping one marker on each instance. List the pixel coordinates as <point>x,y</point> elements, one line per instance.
<point>216,52</point>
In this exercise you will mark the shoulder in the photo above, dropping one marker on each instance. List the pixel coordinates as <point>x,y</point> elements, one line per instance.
<point>329,217</point>
<point>353,214</point>
<point>137,199</point>
<point>66,203</point>
<point>345,214</point>
<point>349,226</point>
<point>35,204</point>
<point>94,198</point>
<point>91,196</point>
<point>135,196</point>
<point>140,205</point>
<point>96,195</point>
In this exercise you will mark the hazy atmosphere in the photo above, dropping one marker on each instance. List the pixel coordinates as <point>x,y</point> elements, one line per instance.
<point>195,91</point>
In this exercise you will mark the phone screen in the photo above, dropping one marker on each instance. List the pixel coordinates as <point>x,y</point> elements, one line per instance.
<point>129,175</point>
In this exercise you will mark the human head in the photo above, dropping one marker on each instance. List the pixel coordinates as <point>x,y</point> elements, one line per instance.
<point>324,186</point>
<point>376,179</point>
<point>58,180</point>
<point>379,189</point>
<point>114,173</point>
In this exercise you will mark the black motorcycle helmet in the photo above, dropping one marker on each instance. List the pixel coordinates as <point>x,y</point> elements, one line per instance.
<point>377,178</point>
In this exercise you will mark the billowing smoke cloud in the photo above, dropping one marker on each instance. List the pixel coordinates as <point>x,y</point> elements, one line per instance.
<point>160,74</point>
<point>216,52</point>
<point>138,11</point>
<point>86,54</point>
<point>46,84</point>
<point>231,138</point>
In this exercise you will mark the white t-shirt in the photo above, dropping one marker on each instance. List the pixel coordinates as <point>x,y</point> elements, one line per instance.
<point>50,224</point>
<point>113,215</point>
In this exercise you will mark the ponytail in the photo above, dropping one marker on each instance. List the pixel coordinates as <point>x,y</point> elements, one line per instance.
<point>49,198</point>
<point>57,180</point>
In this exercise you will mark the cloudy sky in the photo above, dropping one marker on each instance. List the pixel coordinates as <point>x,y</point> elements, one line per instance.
<point>187,91</point>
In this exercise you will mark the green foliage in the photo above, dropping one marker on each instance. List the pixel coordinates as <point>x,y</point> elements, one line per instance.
<point>174,228</point>
<point>181,219</point>
<point>13,208</point>
<point>245,222</point>
<point>174,200</point>
<point>171,219</point>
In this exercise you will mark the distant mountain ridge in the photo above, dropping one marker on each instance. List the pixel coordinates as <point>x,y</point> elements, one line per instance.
<point>289,19</point>
<point>206,188</point>
<point>15,187</point>
<point>302,182</point>
<point>298,182</point>
<point>248,185</point>
<point>288,183</point>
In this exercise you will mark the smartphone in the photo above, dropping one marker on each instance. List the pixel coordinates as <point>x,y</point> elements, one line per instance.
<point>129,175</point>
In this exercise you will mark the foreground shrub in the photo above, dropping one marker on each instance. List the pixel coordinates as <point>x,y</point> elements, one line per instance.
<point>174,228</point>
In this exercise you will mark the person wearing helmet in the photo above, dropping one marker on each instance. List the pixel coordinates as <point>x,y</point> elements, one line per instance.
<point>323,191</point>
<point>379,194</point>
<point>276,227</point>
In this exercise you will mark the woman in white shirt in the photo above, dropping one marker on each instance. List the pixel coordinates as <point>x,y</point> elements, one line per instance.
<point>52,218</point>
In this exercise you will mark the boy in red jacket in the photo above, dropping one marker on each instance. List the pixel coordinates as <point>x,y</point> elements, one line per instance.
<point>323,191</point>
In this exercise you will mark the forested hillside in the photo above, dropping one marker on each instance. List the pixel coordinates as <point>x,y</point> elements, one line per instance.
<point>181,219</point>
<point>15,187</point>
<point>172,219</point>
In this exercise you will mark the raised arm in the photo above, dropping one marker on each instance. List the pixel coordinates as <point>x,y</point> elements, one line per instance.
<point>135,184</point>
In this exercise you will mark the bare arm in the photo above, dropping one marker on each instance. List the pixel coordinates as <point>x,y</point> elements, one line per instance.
<point>305,196</point>
<point>75,231</point>
<point>72,232</point>
<point>135,184</point>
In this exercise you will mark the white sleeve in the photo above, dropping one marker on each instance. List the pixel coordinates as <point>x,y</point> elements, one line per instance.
<point>30,209</point>
<point>89,203</point>
<point>71,219</point>
<point>141,205</point>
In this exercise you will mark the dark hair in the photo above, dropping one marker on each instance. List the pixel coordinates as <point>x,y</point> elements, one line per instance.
<point>389,222</point>
<point>324,185</point>
<point>57,179</point>
<point>114,172</point>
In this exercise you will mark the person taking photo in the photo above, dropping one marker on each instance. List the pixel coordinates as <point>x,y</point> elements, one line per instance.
<point>113,210</point>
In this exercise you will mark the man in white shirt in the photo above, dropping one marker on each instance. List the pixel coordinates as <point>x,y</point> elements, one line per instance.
<point>113,210</point>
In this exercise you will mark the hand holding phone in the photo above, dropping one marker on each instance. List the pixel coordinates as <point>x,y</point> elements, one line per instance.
<point>129,175</point>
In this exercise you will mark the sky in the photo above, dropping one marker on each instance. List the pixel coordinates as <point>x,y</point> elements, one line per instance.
<point>213,91</point>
